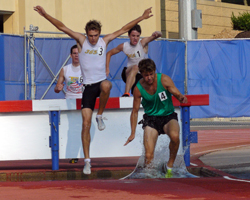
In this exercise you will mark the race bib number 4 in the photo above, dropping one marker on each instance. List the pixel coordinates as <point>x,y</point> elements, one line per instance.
<point>162,96</point>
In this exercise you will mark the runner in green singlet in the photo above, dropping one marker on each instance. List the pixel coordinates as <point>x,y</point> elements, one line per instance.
<point>155,90</point>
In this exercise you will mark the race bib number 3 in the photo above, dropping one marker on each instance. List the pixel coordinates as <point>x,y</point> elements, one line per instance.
<point>162,96</point>
<point>100,51</point>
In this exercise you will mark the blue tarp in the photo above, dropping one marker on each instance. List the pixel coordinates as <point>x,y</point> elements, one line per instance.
<point>54,52</point>
<point>222,70</point>
<point>168,56</point>
<point>11,67</point>
<point>216,67</point>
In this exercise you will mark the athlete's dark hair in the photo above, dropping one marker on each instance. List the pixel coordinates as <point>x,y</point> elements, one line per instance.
<point>73,47</point>
<point>136,28</point>
<point>93,25</point>
<point>146,65</point>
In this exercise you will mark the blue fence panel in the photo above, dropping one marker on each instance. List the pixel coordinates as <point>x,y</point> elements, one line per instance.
<point>55,52</point>
<point>220,69</point>
<point>171,60</point>
<point>12,67</point>
<point>2,69</point>
<point>168,56</point>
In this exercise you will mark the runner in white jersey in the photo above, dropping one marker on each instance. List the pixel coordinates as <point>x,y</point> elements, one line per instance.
<point>71,75</point>
<point>73,80</point>
<point>94,56</point>
<point>136,49</point>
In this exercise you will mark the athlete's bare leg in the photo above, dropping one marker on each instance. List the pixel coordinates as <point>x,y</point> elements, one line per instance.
<point>172,129</point>
<point>149,140</point>
<point>104,96</point>
<point>130,77</point>
<point>86,125</point>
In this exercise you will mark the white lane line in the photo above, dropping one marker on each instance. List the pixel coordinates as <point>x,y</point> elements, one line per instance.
<point>233,179</point>
<point>202,152</point>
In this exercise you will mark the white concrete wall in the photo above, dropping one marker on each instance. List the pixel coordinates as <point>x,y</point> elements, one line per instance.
<point>25,136</point>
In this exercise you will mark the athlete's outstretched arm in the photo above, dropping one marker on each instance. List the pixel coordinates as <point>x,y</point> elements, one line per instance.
<point>112,52</point>
<point>147,14</point>
<point>154,36</point>
<point>60,26</point>
<point>59,86</point>
<point>134,114</point>
<point>168,84</point>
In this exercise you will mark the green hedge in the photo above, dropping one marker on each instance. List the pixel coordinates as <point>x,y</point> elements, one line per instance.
<point>242,22</point>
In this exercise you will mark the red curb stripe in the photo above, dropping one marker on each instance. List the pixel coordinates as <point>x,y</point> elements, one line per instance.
<point>16,106</point>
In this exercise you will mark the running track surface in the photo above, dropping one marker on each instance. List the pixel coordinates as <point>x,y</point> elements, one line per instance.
<point>225,187</point>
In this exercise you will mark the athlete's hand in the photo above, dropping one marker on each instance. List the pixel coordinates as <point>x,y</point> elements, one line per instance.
<point>40,10</point>
<point>183,99</point>
<point>59,87</point>
<point>107,72</point>
<point>157,34</point>
<point>147,14</point>
<point>130,139</point>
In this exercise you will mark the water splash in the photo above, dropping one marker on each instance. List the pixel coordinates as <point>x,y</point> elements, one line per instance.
<point>161,157</point>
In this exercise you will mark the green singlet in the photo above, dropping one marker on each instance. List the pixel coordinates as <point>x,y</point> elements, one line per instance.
<point>158,104</point>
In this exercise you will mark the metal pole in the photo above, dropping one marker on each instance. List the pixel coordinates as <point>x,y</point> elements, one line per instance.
<point>25,66</point>
<point>185,113</point>
<point>32,63</point>
<point>55,78</point>
<point>46,65</point>
<point>194,30</point>
<point>186,30</point>
<point>186,70</point>
<point>54,138</point>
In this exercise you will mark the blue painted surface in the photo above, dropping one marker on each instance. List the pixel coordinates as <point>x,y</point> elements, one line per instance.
<point>54,139</point>
<point>185,113</point>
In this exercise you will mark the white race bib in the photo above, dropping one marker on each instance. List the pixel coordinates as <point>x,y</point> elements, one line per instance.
<point>163,96</point>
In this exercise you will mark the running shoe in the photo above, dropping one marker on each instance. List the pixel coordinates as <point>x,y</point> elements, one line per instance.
<point>125,95</point>
<point>86,169</point>
<point>100,123</point>
<point>168,172</point>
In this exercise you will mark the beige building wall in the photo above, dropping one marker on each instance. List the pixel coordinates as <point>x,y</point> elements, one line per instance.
<point>7,6</point>
<point>216,16</point>
<point>170,18</point>
<point>113,14</point>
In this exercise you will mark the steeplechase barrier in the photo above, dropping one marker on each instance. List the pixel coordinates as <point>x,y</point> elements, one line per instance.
<point>29,127</point>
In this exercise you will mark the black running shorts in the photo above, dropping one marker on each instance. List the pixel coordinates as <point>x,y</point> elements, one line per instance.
<point>124,78</point>
<point>157,122</point>
<point>89,95</point>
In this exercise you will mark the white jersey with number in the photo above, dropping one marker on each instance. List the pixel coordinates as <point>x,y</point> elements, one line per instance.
<point>93,61</point>
<point>134,53</point>
<point>73,80</point>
